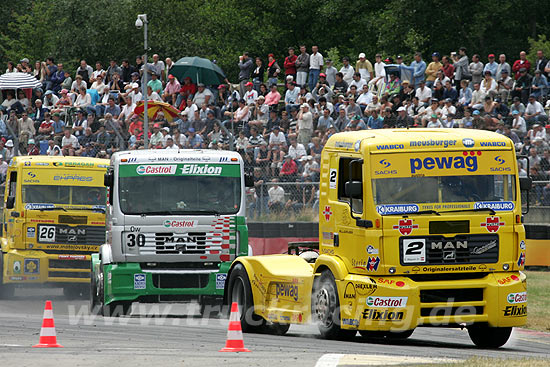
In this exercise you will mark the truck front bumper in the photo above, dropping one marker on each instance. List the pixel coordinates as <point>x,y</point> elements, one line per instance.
<point>35,266</point>
<point>401,303</point>
<point>129,282</point>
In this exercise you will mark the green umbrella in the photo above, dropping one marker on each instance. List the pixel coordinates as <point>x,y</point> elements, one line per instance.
<point>199,70</point>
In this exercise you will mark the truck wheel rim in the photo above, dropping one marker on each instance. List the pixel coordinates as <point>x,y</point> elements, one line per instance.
<point>322,307</point>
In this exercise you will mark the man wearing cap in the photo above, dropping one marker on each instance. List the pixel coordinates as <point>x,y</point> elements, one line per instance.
<point>403,118</point>
<point>539,86</point>
<point>290,63</point>
<point>32,149</point>
<point>521,63</point>
<point>534,112</point>
<point>250,95</point>
<point>432,69</point>
<point>203,95</point>
<point>194,140</point>
<point>171,90</point>
<point>519,126</point>
<point>491,66</point>
<point>363,67</point>
<point>304,126</point>
<point>24,66</point>
<point>50,99</point>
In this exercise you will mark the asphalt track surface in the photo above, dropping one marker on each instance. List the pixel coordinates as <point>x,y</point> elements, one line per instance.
<point>182,338</point>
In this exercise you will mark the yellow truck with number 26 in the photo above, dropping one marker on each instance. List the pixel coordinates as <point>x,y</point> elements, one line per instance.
<point>417,227</point>
<point>53,220</point>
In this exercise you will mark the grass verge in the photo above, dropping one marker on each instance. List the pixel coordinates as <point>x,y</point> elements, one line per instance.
<point>492,362</point>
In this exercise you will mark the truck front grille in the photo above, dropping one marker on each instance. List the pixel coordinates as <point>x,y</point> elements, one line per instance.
<point>72,235</point>
<point>180,280</point>
<point>69,274</point>
<point>69,264</point>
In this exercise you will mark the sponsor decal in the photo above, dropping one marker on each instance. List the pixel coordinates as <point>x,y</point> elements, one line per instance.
<point>140,281</point>
<point>328,236</point>
<point>482,249</point>
<point>434,269</point>
<point>349,291</point>
<point>31,232</point>
<point>17,267</point>
<point>509,279</point>
<point>495,205</point>
<point>492,143</point>
<point>449,245</point>
<point>220,280</point>
<point>385,171</point>
<point>343,144</point>
<point>366,288</point>
<point>414,250</point>
<point>79,164</point>
<point>71,257</point>
<point>357,145</point>
<point>57,164</point>
<point>468,142</point>
<point>359,264</point>
<point>373,263</point>
<point>200,169</point>
<point>69,177</point>
<point>258,284</point>
<point>31,174</point>
<point>284,318</point>
<point>351,322</point>
<point>492,224</point>
<point>385,163</point>
<point>432,143</point>
<point>27,164</point>
<point>390,146</point>
<point>327,213</point>
<point>103,166</point>
<point>38,206</point>
<point>521,260</point>
<point>286,290</point>
<point>42,221</point>
<point>297,317</point>
<point>517,297</point>
<point>180,223</point>
<point>332,178</point>
<point>452,162</point>
<point>32,266</point>
<point>515,311</point>
<point>272,316</point>
<point>396,209</point>
<point>147,169</point>
<point>379,315</point>
<point>387,302</point>
<point>500,160</point>
<point>522,245</point>
<point>371,250</point>
<point>405,226</point>
<point>18,278</point>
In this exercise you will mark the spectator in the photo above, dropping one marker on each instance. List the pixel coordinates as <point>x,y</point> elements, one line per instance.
<point>203,95</point>
<point>289,170</point>
<point>305,124</point>
<point>245,67</point>
<point>273,70</point>
<point>461,67</point>
<point>172,90</point>
<point>534,112</point>
<point>423,93</point>
<point>364,67</point>
<point>302,66</point>
<point>491,66</point>
<point>155,83</point>
<point>315,65</point>
<point>539,86</point>
<point>489,85</point>
<point>347,73</point>
<point>69,143</point>
<point>432,69</point>
<point>85,71</point>
<point>476,69</point>
<point>521,63</point>
<point>504,85</point>
<point>502,65</point>
<point>419,67</point>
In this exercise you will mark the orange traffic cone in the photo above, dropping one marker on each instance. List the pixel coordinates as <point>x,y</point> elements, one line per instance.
<point>235,342</point>
<point>48,339</point>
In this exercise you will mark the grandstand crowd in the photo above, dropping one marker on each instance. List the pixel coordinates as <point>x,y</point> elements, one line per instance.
<point>278,114</point>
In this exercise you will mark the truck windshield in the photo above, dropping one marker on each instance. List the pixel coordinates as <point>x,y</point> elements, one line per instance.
<point>55,194</point>
<point>444,189</point>
<point>179,195</point>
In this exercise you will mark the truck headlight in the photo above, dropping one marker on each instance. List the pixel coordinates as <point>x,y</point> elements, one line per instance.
<point>505,266</point>
<point>392,270</point>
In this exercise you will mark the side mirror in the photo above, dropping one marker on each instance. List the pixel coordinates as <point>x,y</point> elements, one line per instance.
<point>108,179</point>
<point>525,183</point>
<point>354,189</point>
<point>10,202</point>
<point>248,180</point>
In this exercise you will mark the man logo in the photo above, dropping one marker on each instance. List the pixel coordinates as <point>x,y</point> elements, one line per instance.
<point>349,292</point>
<point>468,142</point>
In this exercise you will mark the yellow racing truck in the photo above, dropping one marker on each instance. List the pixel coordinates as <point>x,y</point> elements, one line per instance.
<point>53,220</point>
<point>419,227</point>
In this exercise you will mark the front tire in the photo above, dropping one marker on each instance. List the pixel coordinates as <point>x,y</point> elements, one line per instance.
<point>326,308</point>
<point>117,309</point>
<point>240,291</point>
<point>484,336</point>
<point>96,294</point>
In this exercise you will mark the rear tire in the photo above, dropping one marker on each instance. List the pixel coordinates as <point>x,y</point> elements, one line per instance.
<point>484,336</point>
<point>276,328</point>
<point>6,290</point>
<point>240,291</point>
<point>326,308</point>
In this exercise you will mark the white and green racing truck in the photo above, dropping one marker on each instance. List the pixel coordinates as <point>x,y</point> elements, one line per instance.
<point>175,222</point>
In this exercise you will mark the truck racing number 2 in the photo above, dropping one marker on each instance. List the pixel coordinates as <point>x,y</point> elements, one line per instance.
<point>133,239</point>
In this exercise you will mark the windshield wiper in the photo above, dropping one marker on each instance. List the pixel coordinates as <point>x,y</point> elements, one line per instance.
<point>178,212</point>
<point>50,208</point>
<point>93,209</point>
<point>471,210</point>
